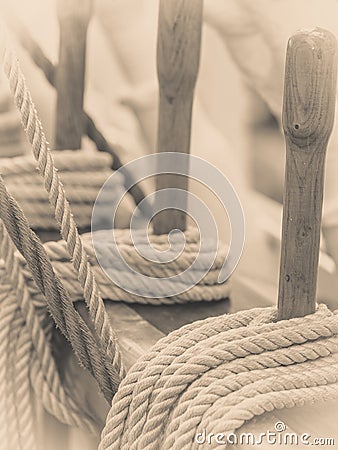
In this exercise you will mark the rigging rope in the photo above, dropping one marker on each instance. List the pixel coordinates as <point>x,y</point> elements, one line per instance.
<point>63,215</point>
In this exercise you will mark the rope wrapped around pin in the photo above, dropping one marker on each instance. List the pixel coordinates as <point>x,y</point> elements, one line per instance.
<point>97,351</point>
<point>82,172</point>
<point>218,373</point>
<point>207,289</point>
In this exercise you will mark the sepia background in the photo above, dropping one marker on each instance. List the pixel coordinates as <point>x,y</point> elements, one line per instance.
<point>236,115</point>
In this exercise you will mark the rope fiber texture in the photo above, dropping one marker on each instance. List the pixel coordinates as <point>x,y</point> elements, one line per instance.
<point>82,172</point>
<point>64,217</point>
<point>219,373</point>
<point>208,289</point>
<point>26,349</point>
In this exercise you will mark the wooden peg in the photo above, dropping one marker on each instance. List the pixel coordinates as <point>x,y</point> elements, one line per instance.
<point>308,116</point>
<point>74,16</point>
<point>178,52</point>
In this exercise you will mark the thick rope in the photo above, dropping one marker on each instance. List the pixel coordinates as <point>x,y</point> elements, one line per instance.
<point>82,172</point>
<point>65,315</point>
<point>33,331</point>
<point>208,288</point>
<point>214,374</point>
<point>218,374</point>
<point>63,215</point>
<point>96,356</point>
<point>67,161</point>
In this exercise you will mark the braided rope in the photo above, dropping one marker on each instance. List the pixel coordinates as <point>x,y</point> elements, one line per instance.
<point>63,215</point>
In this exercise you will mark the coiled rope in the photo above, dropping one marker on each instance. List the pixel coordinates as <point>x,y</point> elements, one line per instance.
<point>82,172</point>
<point>22,324</point>
<point>25,349</point>
<point>219,373</point>
<point>208,289</point>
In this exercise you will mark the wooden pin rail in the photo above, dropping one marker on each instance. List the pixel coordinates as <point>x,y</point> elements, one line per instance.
<point>178,52</point>
<point>308,115</point>
<point>74,16</point>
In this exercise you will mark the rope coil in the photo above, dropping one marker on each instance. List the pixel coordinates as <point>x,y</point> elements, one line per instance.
<point>208,289</point>
<point>98,352</point>
<point>219,373</point>
<point>82,172</point>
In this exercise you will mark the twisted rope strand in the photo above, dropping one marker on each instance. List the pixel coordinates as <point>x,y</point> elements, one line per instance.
<point>50,389</point>
<point>65,315</point>
<point>63,213</point>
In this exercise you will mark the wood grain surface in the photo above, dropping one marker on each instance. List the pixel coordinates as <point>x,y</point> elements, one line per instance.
<point>74,16</point>
<point>308,115</point>
<point>178,52</point>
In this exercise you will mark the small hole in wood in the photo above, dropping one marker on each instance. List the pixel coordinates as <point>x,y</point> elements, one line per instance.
<point>287,277</point>
<point>296,126</point>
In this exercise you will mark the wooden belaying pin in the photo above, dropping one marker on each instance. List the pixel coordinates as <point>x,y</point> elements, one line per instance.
<point>178,53</point>
<point>74,16</point>
<point>308,116</point>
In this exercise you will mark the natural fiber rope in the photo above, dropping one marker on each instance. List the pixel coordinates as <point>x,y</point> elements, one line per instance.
<point>37,328</point>
<point>63,215</point>
<point>39,270</point>
<point>219,373</point>
<point>82,172</point>
<point>65,315</point>
<point>208,289</point>
<point>67,161</point>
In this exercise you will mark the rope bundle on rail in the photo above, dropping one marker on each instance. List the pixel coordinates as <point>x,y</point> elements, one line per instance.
<point>219,373</point>
<point>208,289</point>
<point>82,172</point>
<point>98,351</point>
